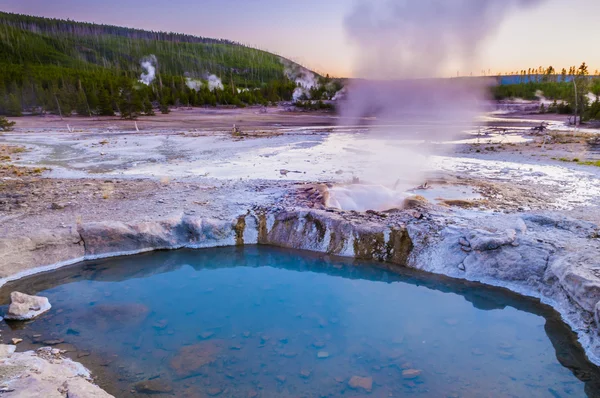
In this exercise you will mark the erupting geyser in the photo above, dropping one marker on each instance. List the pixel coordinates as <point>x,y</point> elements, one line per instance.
<point>404,49</point>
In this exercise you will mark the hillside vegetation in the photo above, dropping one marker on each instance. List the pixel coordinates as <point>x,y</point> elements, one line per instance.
<point>60,66</point>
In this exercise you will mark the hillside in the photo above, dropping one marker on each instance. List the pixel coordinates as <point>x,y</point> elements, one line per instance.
<point>53,65</point>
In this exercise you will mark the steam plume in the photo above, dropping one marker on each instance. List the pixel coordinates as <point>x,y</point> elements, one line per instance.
<point>214,83</point>
<point>149,66</point>
<point>304,79</point>
<point>421,38</point>
<point>401,46</point>
<point>193,84</point>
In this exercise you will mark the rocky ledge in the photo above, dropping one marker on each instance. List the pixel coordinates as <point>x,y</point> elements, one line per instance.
<point>548,256</point>
<point>44,373</point>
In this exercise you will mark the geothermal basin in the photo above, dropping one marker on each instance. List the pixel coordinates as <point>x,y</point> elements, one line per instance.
<point>260,321</point>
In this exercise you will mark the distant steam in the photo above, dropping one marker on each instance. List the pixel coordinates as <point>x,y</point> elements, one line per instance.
<point>214,83</point>
<point>304,79</point>
<point>340,95</point>
<point>193,84</point>
<point>149,66</point>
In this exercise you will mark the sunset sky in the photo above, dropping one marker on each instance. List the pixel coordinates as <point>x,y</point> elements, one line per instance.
<point>555,32</point>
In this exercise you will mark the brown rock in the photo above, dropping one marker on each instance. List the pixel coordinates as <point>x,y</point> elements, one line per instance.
<point>411,373</point>
<point>190,359</point>
<point>153,387</point>
<point>160,325</point>
<point>53,342</point>
<point>214,391</point>
<point>122,313</point>
<point>361,383</point>
<point>318,344</point>
<point>305,373</point>
<point>206,335</point>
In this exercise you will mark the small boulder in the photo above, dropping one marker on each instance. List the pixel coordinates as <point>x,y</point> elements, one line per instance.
<point>361,383</point>
<point>153,387</point>
<point>411,373</point>
<point>305,373</point>
<point>24,307</point>
<point>484,240</point>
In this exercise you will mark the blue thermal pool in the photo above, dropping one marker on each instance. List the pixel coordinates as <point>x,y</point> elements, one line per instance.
<point>265,322</point>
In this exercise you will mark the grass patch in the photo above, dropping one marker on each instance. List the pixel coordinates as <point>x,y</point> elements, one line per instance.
<point>590,163</point>
<point>465,204</point>
<point>595,163</point>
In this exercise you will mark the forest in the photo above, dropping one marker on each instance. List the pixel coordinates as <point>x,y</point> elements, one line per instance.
<point>66,67</point>
<point>573,92</point>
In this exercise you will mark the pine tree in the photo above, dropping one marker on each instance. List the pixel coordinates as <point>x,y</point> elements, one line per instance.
<point>148,110</point>
<point>5,124</point>
<point>164,106</point>
<point>130,103</point>
<point>81,107</point>
<point>105,107</point>
<point>13,106</point>
<point>92,100</point>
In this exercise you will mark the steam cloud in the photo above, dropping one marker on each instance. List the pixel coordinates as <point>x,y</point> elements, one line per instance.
<point>193,84</point>
<point>214,83</point>
<point>304,79</point>
<point>402,45</point>
<point>419,38</point>
<point>149,66</point>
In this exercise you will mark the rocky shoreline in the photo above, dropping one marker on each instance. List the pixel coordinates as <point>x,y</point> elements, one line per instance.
<point>44,373</point>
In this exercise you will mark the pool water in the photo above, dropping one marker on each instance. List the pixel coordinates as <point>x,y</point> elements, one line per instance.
<point>264,322</point>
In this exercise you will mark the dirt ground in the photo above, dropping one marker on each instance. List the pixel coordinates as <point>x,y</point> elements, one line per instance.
<point>186,119</point>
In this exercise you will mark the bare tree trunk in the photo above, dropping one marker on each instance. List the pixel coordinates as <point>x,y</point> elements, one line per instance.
<point>58,106</point>
<point>576,106</point>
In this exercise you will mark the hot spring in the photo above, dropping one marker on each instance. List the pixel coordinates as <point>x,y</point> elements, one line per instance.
<point>259,321</point>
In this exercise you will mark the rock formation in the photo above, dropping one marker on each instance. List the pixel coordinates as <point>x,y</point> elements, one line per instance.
<point>24,307</point>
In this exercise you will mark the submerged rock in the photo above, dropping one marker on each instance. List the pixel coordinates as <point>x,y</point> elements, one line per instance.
<point>322,354</point>
<point>24,307</point>
<point>361,383</point>
<point>126,314</point>
<point>190,359</point>
<point>153,387</point>
<point>411,373</point>
<point>305,373</point>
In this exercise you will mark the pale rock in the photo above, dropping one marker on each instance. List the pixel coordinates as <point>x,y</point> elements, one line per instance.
<point>6,350</point>
<point>36,374</point>
<point>484,240</point>
<point>23,306</point>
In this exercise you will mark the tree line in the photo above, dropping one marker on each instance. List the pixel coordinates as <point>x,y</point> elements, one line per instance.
<point>569,90</point>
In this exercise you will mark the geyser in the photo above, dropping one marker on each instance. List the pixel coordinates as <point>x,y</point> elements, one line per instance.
<point>404,48</point>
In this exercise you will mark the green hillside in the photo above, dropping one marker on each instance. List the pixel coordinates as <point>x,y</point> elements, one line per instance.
<point>52,65</point>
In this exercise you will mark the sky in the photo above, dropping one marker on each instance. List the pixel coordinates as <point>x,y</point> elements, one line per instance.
<point>560,33</point>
